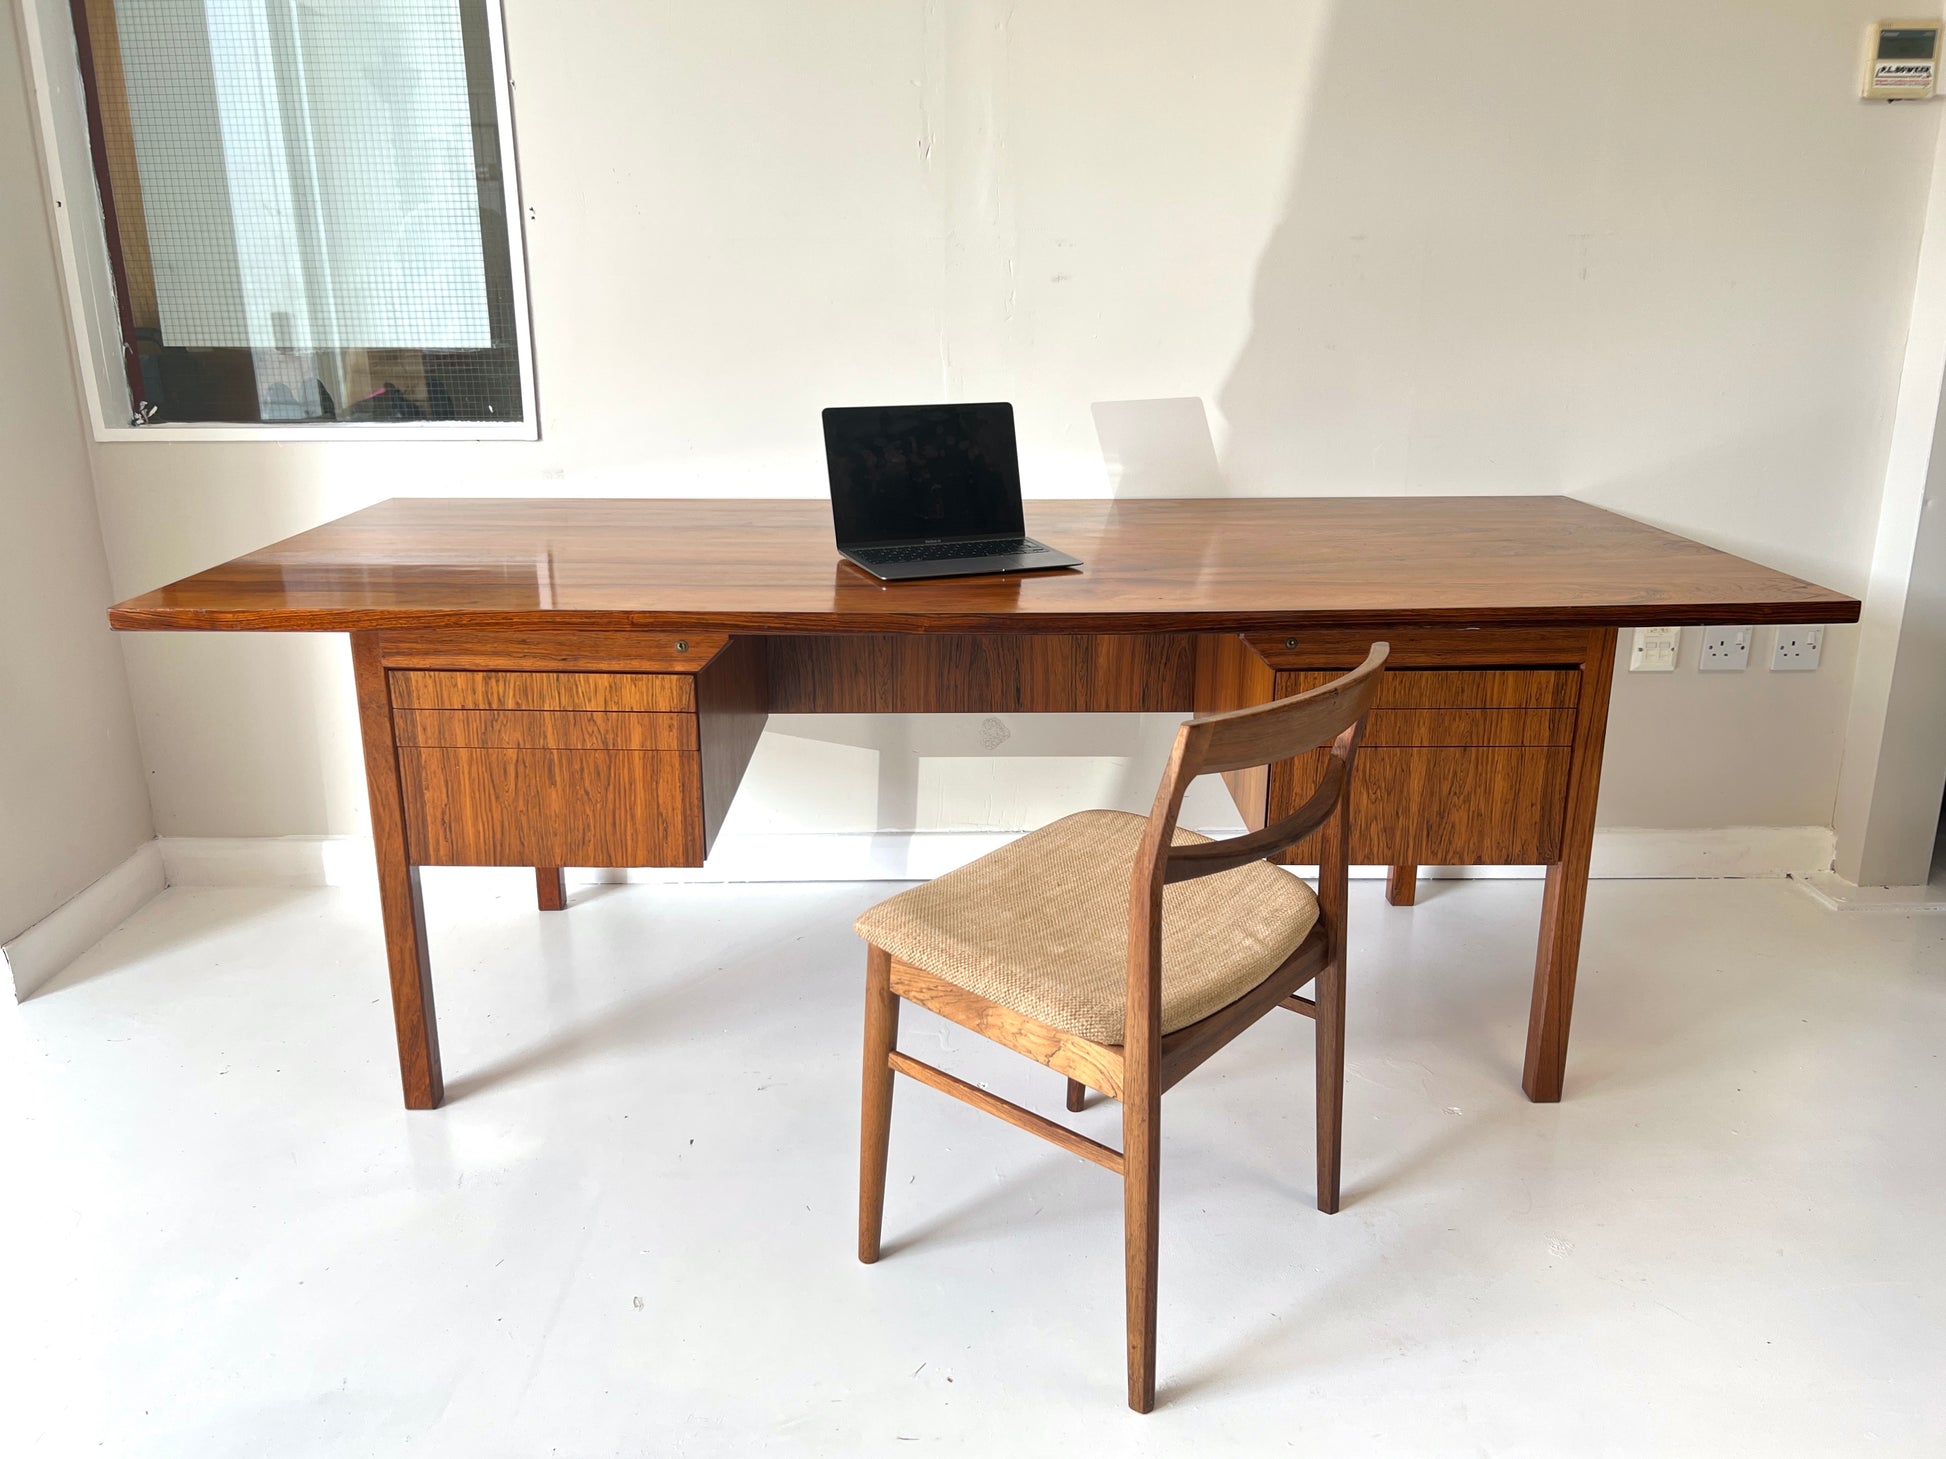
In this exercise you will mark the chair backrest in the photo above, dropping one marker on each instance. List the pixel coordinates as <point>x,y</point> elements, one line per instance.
<point>1264,734</point>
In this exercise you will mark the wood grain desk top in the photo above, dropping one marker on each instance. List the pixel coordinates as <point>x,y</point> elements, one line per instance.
<point>1151,566</point>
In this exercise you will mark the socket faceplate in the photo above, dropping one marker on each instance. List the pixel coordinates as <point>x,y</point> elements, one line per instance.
<point>1798,648</point>
<point>1725,650</point>
<point>1655,651</point>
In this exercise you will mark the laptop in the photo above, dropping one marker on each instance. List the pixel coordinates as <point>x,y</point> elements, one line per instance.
<point>930,491</point>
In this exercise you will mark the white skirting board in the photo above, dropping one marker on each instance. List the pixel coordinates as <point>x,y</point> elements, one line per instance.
<point>40,952</point>
<point>1843,896</point>
<point>915,855</point>
<point>60,937</point>
<point>1624,852</point>
<point>268,861</point>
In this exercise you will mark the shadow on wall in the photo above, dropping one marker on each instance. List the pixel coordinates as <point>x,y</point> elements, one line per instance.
<point>1570,255</point>
<point>1419,313</point>
<point>1415,310</point>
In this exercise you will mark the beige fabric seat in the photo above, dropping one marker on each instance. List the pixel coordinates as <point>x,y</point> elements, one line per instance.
<point>1041,925</point>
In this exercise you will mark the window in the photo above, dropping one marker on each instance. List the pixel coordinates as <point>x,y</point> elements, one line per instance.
<point>305,207</point>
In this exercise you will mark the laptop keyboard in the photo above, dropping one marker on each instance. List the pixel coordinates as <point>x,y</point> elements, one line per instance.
<point>945,551</point>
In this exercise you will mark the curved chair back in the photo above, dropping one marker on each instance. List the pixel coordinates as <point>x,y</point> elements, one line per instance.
<point>1332,714</point>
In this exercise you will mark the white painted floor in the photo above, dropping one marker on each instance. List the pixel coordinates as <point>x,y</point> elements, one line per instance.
<point>630,1230</point>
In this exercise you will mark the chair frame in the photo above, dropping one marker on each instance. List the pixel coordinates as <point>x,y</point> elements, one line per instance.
<point>1149,1062</point>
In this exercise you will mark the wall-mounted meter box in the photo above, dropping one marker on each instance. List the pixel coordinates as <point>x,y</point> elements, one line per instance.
<point>1901,60</point>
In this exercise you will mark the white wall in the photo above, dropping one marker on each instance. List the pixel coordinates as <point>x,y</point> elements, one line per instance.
<point>72,800</point>
<point>1895,738</point>
<point>1508,246</point>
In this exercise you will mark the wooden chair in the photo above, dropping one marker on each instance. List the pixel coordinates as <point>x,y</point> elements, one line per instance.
<point>1026,947</point>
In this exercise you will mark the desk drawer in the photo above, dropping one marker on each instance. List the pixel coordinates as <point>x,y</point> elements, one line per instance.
<point>1456,688</point>
<point>561,767</point>
<point>543,729</point>
<point>1427,806</point>
<point>1458,728</point>
<point>616,693</point>
<point>549,769</point>
<point>502,806</point>
<point>1463,707</point>
<point>1463,765</point>
<point>1460,767</point>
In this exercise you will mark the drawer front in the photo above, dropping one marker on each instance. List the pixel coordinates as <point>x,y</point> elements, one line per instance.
<point>552,807</point>
<point>619,693</point>
<point>1468,727</point>
<point>1457,688</point>
<point>1501,805</point>
<point>539,729</point>
<point>1339,649</point>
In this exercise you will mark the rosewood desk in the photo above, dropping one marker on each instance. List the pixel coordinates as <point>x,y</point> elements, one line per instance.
<point>556,683</point>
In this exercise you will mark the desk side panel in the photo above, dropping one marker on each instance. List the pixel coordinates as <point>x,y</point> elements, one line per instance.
<point>732,707</point>
<point>1232,674</point>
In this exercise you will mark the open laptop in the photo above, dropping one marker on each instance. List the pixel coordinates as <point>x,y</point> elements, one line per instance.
<point>930,491</point>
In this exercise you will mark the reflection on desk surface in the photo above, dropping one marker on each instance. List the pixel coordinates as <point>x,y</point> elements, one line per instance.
<point>517,583</point>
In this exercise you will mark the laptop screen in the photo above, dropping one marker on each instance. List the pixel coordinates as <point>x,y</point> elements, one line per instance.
<point>911,473</point>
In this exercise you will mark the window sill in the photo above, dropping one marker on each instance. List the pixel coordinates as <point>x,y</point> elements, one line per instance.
<point>389,431</point>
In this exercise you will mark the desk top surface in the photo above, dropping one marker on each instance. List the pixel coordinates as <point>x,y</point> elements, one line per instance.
<point>1151,566</point>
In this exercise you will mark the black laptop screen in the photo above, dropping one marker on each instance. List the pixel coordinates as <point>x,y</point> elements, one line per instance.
<point>907,473</point>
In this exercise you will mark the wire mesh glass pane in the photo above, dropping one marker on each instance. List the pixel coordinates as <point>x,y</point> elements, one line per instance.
<point>305,208</point>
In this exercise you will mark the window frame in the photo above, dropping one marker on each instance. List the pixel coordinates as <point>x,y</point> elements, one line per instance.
<point>61,116</point>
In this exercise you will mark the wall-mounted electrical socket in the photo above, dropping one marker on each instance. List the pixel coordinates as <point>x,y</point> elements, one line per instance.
<point>1798,647</point>
<point>1724,649</point>
<point>1655,651</point>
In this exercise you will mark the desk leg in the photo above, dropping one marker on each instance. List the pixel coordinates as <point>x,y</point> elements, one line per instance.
<point>551,886</point>
<point>1566,897</point>
<point>1402,885</point>
<point>398,886</point>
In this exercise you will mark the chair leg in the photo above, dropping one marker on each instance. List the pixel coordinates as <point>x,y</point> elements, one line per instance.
<point>1141,1209</point>
<point>875,1124</point>
<point>1330,993</point>
<point>1077,1095</point>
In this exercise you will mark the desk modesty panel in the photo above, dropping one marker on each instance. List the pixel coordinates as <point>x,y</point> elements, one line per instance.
<point>555,683</point>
